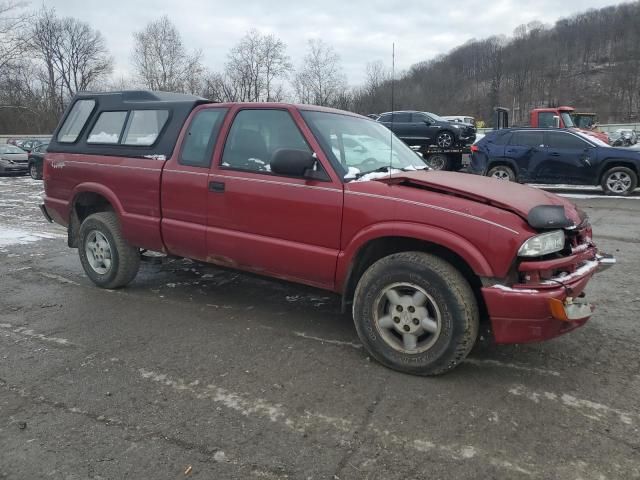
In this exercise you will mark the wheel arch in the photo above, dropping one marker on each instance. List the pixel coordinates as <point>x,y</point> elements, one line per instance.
<point>448,246</point>
<point>87,199</point>
<point>610,163</point>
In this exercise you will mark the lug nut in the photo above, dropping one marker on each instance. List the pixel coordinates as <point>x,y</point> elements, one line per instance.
<point>396,319</point>
<point>416,321</point>
<point>411,309</point>
<point>399,308</point>
<point>406,328</point>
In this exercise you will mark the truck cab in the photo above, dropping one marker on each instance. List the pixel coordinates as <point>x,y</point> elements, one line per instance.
<point>561,117</point>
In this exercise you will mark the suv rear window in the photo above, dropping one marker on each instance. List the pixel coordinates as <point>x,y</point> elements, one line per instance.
<point>144,126</point>
<point>108,128</point>
<point>75,121</point>
<point>527,139</point>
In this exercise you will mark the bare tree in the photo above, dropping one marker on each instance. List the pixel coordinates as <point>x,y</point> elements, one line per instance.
<point>254,64</point>
<point>161,60</point>
<point>74,56</point>
<point>320,80</point>
<point>13,23</point>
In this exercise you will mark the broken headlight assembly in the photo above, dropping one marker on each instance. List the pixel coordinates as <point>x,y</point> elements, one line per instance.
<point>542,244</point>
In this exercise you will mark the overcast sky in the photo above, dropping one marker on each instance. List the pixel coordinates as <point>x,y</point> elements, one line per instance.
<point>360,30</point>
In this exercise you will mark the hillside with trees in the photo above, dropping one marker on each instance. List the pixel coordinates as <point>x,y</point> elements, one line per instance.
<point>590,61</point>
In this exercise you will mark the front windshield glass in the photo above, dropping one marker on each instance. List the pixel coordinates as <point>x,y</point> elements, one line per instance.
<point>592,139</point>
<point>357,146</point>
<point>10,149</point>
<point>437,118</point>
<point>566,119</point>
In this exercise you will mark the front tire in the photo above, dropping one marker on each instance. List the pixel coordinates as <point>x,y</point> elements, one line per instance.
<point>416,313</point>
<point>108,260</point>
<point>619,181</point>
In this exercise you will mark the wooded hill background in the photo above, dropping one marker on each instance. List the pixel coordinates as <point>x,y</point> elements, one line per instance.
<point>590,61</point>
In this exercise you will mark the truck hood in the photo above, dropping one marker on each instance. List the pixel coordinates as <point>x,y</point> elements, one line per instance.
<point>513,197</point>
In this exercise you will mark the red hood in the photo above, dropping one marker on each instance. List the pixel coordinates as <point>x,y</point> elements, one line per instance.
<point>519,199</point>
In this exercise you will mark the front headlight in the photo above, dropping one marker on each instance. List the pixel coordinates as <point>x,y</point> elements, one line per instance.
<point>542,244</point>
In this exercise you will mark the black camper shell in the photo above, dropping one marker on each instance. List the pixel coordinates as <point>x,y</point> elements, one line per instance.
<point>136,123</point>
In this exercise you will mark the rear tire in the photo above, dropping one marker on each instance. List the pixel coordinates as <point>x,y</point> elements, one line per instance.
<point>445,139</point>
<point>619,181</point>
<point>416,313</point>
<point>108,260</point>
<point>438,161</point>
<point>502,172</point>
<point>34,172</point>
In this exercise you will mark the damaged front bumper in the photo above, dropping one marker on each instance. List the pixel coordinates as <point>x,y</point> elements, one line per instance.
<point>528,312</point>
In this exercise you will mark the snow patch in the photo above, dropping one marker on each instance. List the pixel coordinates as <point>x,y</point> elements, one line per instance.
<point>514,290</point>
<point>11,236</point>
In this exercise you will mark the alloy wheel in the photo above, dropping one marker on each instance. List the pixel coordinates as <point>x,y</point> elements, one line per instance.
<point>98,251</point>
<point>407,318</point>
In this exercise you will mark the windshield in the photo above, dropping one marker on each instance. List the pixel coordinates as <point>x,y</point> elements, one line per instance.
<point>10,149</point>
<point>566,119</point>
<point>357,146</point>
<point>437,118</point>
<point>592,139</point>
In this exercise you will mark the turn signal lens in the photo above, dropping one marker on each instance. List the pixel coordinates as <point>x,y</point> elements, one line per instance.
<point>557,309</point>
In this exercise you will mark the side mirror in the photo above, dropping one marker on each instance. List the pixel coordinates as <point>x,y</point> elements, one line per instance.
<point>295,163</point>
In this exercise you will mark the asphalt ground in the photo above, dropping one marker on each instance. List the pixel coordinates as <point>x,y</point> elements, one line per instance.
<point>196,372</point>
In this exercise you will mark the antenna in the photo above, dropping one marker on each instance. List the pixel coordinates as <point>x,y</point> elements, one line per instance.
<point>393,82</point>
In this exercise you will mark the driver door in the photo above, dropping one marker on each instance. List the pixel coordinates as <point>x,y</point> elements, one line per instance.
<point>281,226</point>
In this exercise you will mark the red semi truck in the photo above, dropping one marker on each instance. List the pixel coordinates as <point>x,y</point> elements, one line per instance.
<point>424,258</point>
<point>560,117</point>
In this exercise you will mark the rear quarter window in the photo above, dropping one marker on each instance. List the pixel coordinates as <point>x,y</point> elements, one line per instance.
<point>527,139</point>
<point>75,121</point>
<point>107,128</point>
<point>144,126</point>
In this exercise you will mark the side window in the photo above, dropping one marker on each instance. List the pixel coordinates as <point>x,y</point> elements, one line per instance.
<point>565,140</point>
<point>385,118</point>
<point>254,137</point>
<point>402,117</point>
<point>502,139</point>
<point>527,139</point>
<point>545,120</point>
<point>420,117</point>
<point>201,137</point>
<point>108,128</point>
<point>144,126</point>
<point>75,121</point>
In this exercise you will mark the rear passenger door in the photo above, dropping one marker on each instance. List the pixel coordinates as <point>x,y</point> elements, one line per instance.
<point>526,150</point>
<point>283,226</point>
<point>185,181</point>
<point>570,159</point>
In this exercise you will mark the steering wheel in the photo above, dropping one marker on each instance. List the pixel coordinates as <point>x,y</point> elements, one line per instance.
<point>368,163</point>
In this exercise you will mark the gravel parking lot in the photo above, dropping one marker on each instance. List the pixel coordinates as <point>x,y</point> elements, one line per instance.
<point>197,372</point>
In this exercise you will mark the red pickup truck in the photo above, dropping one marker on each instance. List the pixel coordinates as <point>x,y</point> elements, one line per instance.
<point>325,198</point>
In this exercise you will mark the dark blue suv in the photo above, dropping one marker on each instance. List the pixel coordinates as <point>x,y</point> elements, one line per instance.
<point>555,156</point>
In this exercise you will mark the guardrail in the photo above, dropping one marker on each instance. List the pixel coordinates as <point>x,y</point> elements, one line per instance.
<point>606,127</point>
<point>4,138</point>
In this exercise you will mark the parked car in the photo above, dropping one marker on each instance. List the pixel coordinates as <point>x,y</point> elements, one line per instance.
<point>36,158</point>
<point>624,137</point>
<point>555,156</point>
<point>12,160</point>
<point>29,144</point>
<point>460,119</point>
<point>421,258</point>
<point>425,129</point>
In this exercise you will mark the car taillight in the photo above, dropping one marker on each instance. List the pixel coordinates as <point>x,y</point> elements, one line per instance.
<point>475,148</point>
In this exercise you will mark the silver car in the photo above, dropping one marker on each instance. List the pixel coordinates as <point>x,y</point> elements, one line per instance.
<point>13,160</point>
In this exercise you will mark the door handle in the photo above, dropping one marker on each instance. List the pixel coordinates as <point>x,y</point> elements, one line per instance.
<point>216,187</point>
<point>554,154</point>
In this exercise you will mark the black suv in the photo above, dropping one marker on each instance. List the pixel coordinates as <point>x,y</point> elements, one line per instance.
<point>425,129</point>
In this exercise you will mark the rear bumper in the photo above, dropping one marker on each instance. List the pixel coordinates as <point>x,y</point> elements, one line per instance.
<point>14,168</point>
<point>524,315</point>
